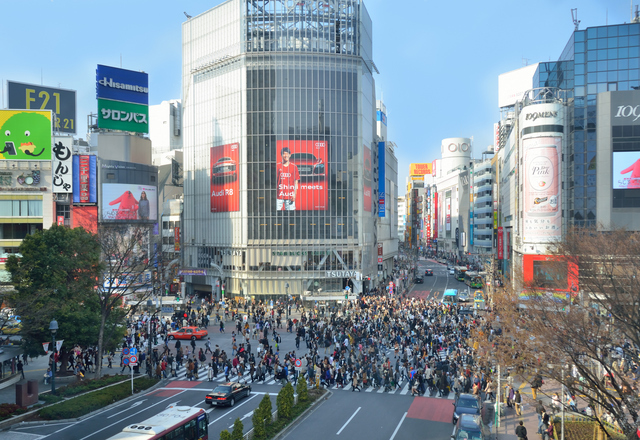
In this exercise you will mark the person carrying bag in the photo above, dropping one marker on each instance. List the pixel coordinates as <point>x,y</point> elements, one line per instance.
<point>521,431</point>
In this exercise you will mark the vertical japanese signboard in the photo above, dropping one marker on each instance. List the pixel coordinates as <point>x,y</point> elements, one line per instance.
<point>500,243</point>
<point>62,165</point>
<point>85,179</point>
<point>176,239</point>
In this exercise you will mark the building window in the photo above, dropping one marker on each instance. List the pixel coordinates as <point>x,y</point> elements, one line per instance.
<point>21,208</point>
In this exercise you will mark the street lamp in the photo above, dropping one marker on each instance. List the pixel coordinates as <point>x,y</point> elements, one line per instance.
<point>53,328</point>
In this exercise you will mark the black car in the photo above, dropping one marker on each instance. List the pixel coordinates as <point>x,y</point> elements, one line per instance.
<point>469,427</point>
<point>227,394</point>
<point>428,273</point>
<point>418,280</point>
<point>465,404</point>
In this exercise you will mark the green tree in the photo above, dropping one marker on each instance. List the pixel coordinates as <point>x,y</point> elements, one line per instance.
<point>301,389</point>
<point>262,418</point>
<point>284,401</point>
<point>238,429</point>
<point>54,279</point>
<point>225,435</point>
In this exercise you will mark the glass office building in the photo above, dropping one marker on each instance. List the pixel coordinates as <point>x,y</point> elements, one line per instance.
<point>594,61</point>
<point>280,192</point>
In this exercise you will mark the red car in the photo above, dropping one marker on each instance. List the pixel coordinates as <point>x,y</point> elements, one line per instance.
<point>309,166</point>
<point>188,333</point>
<point>224,169</point>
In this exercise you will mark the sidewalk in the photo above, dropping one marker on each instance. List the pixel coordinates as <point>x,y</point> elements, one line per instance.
<point>510,420</point>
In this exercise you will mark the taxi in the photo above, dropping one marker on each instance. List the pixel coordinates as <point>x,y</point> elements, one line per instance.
<point>188,333</point>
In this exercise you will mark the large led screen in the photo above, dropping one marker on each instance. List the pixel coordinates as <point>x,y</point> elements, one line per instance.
<point>301,176</point>
<point>626,170</point>
<point>225,178</point>
<point>126,201</point>
<point>367,179</point>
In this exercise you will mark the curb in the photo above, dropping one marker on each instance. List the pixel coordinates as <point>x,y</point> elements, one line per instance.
<point>7,425</point>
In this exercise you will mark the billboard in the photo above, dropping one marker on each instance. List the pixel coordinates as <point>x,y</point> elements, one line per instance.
<point>433,167</point>
<point>225,178</point>
<point>447,203</point>
<point>85,181</point>
<point>301,176</point>
<point>367,179</point>
<point>25,134</point>
<point>176,239</point>
<point>512,85</point>
<point>125,116</point>
<point>420,169</point>
<point>382,210</point>
<point>542,197</point>
<point>62,165</point>
<point>435,215</point>
<point>33,97</point>
<point>551,272</point>
<point>626,170</point>
<point>500,243</point>
<point>122,85</point>
<point>127,201</point>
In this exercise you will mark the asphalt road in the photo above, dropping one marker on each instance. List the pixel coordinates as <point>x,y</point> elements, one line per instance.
<point>370,413</point>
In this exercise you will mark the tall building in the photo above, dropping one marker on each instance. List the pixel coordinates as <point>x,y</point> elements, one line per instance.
<point>569,145</point>
<point>279,146</point>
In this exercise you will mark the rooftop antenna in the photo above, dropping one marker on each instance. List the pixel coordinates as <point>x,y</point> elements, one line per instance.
<point>525,61</point>
<point>574,17</point>
<point>636,19</point>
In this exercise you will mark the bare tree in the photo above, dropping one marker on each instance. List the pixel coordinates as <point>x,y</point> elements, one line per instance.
<point>127,279</point>
<point>586,338</point>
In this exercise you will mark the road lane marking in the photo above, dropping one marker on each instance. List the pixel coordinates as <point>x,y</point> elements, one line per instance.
<point>235,407</point>
<point>128,409</point>
<point>350,418</point>
<point>398,427</point>
<point>131,415</point>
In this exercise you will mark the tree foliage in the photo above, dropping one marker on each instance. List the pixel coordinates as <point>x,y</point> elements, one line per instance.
<point>54,279</point>
<point>238,429</point>
<point>585,338</point>
<point>262,418</point>
<point>302,390</point>
<point>284,401</point>
<point>225,435</point>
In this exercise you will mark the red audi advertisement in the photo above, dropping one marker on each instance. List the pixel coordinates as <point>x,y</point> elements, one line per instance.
<point>225,178</point>
<point>367,179</point>
<point>301,176</point>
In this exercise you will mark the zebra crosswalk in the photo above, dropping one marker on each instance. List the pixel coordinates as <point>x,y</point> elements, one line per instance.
<point>402,389</point>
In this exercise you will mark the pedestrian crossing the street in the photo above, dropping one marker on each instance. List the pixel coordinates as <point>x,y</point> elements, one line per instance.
<point>402,390</point>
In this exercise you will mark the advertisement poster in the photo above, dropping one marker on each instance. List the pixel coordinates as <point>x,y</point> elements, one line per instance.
<point>25,135</point>
<point>447,203</point>
<point>542,211</point>
<point>126,201</point>
<point>420,169</point>
<point>225,178</point>
<point>301,176</point>
<point>34,97</point>
<point>626,170</point>
<point>435,215</point>
<point>382,209</point>
<point>500,243</point>
<point>367,179</point>
<point>85,217</point>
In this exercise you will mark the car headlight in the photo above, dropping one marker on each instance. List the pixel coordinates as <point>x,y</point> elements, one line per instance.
<point>318,169</point>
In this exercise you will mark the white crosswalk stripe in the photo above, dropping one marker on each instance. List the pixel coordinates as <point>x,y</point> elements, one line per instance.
<point>403,390</point>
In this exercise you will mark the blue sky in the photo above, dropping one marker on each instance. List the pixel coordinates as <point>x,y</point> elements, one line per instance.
<point>439,61</point>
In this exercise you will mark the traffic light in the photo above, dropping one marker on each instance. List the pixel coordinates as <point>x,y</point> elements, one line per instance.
<point>184,315</point>
<point>346,296</point>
